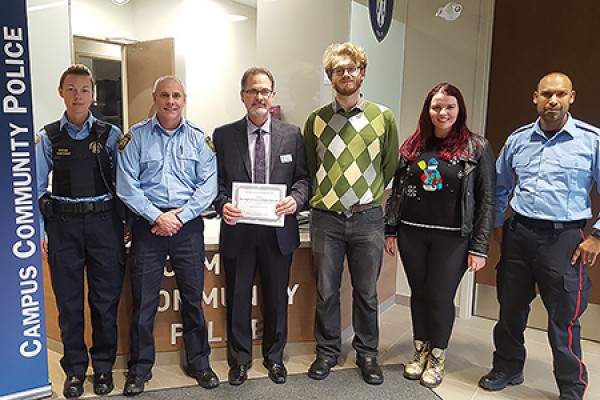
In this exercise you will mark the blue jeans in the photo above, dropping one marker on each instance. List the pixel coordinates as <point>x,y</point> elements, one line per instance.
<point>360,238</point>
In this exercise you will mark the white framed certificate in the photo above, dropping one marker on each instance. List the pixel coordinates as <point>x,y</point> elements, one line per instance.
<point>257,202</point>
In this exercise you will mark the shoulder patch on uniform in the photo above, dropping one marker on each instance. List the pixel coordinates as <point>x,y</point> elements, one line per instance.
<point>210,144</point>
<point>124,140</point>
<point>36,138</point>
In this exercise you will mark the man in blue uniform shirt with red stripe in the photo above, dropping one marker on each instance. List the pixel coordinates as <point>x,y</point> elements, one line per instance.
<point>549,166</point>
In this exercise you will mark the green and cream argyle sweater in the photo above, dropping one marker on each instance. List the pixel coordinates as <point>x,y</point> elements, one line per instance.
<point>352,155</point>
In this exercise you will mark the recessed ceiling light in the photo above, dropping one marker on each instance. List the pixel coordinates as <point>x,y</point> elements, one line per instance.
<point>120,2</point>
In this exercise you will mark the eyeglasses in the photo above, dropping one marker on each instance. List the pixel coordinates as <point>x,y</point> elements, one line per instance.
<point>254,92</point>
<point>339,71</point>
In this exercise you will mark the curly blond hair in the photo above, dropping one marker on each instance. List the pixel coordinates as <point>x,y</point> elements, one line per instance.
<point>335,51</point>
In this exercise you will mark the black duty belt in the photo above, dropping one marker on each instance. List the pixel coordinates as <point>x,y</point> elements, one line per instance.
<point>541,224</point>
<point>83,207</point>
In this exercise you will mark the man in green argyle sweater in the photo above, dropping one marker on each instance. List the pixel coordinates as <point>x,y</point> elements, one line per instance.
<point>352,152</point>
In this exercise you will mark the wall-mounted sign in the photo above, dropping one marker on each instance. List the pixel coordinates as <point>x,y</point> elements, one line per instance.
<point>380,13</point>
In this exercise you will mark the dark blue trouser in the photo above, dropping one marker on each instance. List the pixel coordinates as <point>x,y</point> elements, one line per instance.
<point>148,257</point>
<point>359,238</point>
<point>540,256</point>
<point>91,245</point>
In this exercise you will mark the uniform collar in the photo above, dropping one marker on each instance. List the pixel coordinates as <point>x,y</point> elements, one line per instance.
<point>569,128</point>
<point>87,124</point>
<point>156,124</point>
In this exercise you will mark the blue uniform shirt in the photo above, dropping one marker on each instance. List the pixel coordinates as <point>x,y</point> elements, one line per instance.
<point>44,162</point>
<point>552,178</point>
<point>160,170</point>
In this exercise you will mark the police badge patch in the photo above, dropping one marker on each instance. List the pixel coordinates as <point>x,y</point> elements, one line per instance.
<point>124,140</point>
<point>36,138</point>
<point>381,13</point>
<point>210,144</point>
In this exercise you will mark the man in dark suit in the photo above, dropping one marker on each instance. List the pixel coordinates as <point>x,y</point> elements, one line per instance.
<point>259,149</point>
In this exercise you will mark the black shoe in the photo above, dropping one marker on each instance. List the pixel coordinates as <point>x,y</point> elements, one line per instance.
<point>207,378</point>
<point>277,372</point>
<point>370,369</point>
<point>498,380</point>
<point>238,374</point>
<point>73,387</point>
<point>135,384</point>
<point>103,383</point>
<point>320,368</point>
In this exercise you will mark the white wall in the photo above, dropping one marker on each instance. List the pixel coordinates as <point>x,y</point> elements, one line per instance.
<point>50,52</point>
<point>212,48</point>
<point>291,38</point>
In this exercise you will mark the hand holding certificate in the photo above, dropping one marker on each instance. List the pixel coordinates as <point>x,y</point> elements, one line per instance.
<point>258,203</point>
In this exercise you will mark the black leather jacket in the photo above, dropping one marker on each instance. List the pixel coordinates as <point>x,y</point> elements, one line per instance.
<point>478,195</point>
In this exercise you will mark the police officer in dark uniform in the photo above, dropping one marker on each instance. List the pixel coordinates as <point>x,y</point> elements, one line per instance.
<point>84,230</point>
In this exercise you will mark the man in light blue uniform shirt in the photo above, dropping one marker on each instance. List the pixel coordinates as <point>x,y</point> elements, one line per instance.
<point>85,233</point>
<point>167,175</point>
<point>549,166</point>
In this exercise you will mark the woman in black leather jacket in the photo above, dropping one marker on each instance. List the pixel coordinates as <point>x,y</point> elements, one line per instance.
<point>440,213</point>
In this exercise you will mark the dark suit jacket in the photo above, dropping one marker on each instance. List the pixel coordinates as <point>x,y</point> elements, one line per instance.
<point>233,165</point>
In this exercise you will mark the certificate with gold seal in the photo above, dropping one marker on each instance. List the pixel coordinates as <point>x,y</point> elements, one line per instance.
<point>257,202</point>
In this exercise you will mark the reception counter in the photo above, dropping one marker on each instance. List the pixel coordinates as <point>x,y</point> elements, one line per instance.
<point>168,329</point>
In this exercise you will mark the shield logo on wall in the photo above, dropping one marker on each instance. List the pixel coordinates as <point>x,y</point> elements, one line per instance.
<point>380,12</point>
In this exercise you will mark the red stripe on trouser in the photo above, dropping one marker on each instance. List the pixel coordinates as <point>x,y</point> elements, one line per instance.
<point>570,327</point>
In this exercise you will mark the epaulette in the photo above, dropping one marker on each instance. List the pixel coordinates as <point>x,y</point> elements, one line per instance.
<point>194,126</point>
<point>523,128</point>
<point>141,123</point>
<point>587,128</point>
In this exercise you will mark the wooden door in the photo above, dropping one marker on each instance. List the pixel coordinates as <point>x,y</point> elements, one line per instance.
<point>145,62</point>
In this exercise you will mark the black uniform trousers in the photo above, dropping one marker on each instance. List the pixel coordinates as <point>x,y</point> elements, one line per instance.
<point>148,257</point>
<point>540,253</point>
<point>260,252</point>
<point>86,244</point>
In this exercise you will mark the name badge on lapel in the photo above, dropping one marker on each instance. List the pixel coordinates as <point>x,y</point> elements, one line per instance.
<point>285,158</point>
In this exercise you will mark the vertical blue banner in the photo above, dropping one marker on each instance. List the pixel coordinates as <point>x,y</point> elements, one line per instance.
<point>23,352</point>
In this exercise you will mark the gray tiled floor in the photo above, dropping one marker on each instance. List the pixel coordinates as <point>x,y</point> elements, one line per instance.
<point>469,357</point>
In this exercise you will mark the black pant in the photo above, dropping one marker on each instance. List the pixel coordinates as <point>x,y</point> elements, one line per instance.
<point>260,252</point>
<point>148,257</point>
<point>533,256</point>
<point>92,243</point>
<point>434,261</point>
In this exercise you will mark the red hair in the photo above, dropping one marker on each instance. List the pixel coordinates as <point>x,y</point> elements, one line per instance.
<point>454,144</point>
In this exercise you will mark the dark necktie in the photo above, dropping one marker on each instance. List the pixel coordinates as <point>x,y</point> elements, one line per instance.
<point>259,158</point>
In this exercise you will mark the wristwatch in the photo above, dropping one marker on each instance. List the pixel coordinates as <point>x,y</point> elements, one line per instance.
<point>595,233</point>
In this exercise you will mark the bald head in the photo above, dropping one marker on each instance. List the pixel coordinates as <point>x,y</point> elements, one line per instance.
<point>554,78</point>
<point>553,97</point>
